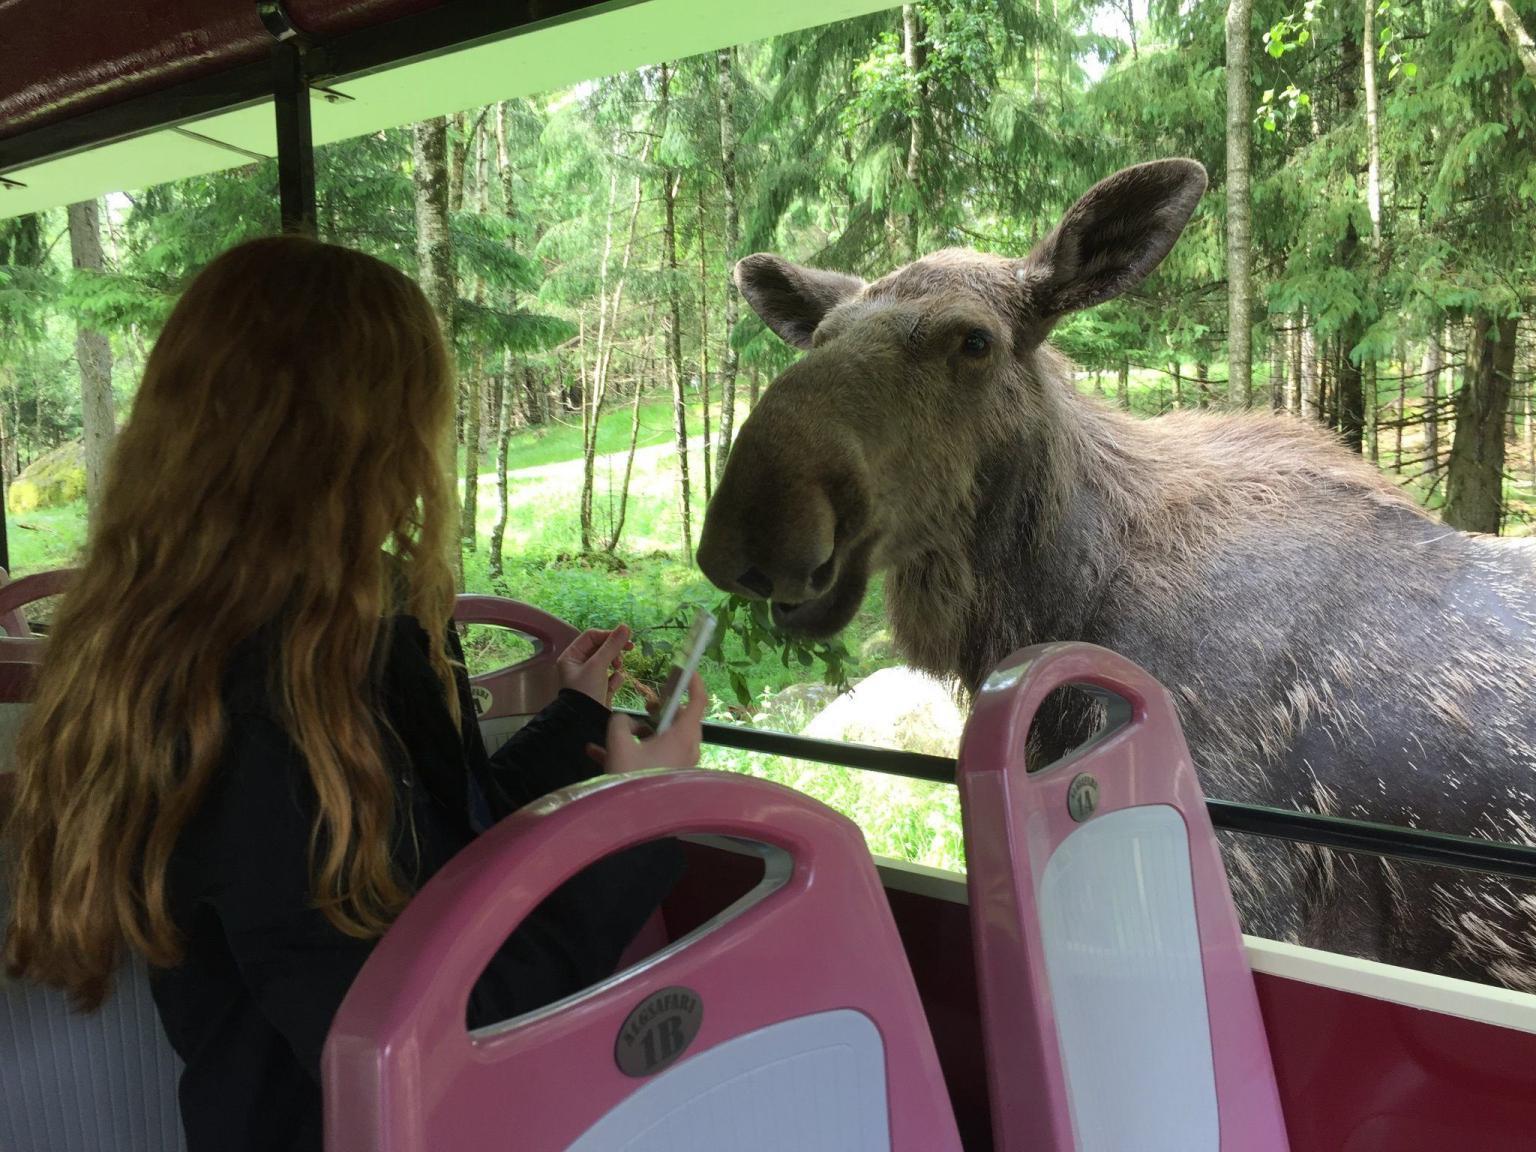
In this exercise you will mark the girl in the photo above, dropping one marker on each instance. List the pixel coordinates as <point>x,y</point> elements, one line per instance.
<point>253,737</point>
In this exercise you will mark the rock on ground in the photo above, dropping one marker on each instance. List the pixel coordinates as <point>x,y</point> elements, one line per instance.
<point>894,708</point>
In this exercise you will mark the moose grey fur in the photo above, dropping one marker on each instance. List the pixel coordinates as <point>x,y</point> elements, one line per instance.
<point>1330,646</point>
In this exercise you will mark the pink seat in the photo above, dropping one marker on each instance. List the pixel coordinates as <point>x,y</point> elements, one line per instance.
<point>17,594</point>
<point>789,1021</point>
<point>504,698</point>
<point>507,697</point>
<point>21,651</point>
<point>1118,1006</point>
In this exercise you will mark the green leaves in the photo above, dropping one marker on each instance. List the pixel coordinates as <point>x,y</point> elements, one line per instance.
<point>1291,31</point>
<point>744,638</point>
<point>1290,102</point>
<point>750,623</point>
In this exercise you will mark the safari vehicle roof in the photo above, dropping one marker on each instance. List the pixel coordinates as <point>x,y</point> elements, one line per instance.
<point>98,97</point>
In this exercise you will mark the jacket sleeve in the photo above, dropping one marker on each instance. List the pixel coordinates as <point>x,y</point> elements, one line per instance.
<point>549,752</point>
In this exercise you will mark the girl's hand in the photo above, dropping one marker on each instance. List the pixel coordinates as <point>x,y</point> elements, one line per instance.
<point>632,747</point>
<point>593,664</point>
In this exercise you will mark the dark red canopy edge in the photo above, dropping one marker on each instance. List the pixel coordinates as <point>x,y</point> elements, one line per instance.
<point>60,59</point>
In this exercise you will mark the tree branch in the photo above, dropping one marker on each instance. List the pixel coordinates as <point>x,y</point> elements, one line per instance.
<point>1519,39</point>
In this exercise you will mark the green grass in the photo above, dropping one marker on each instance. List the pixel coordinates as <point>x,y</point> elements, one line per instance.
<point>46,538</point>
<point>560,439</point>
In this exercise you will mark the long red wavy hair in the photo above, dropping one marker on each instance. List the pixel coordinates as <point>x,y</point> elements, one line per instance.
<point>286,440</point>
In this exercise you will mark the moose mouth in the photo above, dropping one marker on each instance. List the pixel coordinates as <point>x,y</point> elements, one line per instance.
<point>824,616</point>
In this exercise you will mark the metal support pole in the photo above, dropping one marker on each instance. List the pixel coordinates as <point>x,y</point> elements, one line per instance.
<point>295,146</point>
<point>295,143</point>
<point>5,535</point>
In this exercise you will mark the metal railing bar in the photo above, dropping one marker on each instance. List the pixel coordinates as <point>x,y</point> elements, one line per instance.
<point>1419,845</point>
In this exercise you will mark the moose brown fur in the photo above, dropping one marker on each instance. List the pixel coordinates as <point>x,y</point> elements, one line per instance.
<point>1330,646</point>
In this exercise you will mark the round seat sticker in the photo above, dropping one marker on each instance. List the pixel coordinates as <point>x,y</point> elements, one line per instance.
<point>658,1031</point>
<point>482,699</point>
<point>1082,797</point>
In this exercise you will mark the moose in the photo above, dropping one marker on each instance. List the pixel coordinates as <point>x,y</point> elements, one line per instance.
<point>1330,646</point>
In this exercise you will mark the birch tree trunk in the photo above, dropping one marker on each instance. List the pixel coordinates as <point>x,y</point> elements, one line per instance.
<point>1530,434</point>
<point>1370,376</point>
<point>1402,406</point>
<point>7,429</point>
<point>648,373</point>
<point>913,56</point>
<point>1296,386</point>
<point>609,312</point>
<point>434,258</point>
<point>730,359</point>
<point>1434,363</point>
<point>709,475</point>
<point>93,353</point>
<point>1277,342</point>
<point>1530,421</point>
<point>670,180</point>
<point>1372,128</point>
<point>1309,373</point>
<point>469,524</point>
<point>591,402</point>
<point>502,393</point>
<point>1239,206</point>
<point>1349,393</point>
<point>1519,39</point>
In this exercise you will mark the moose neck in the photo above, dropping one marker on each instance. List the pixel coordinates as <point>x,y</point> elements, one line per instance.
<point>1045,528</point>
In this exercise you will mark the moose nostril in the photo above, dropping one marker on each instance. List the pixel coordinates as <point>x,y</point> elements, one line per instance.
<point>822,578</point>
<point>756,582</point>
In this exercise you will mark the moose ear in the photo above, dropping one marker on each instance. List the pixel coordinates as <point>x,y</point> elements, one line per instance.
<point>1110,239</point>
<point>792,299</point>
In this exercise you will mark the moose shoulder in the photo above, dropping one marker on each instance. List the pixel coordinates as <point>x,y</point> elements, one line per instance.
<point>1330,646</point>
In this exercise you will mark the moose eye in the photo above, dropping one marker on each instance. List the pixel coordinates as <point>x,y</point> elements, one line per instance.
<point>976,343</point>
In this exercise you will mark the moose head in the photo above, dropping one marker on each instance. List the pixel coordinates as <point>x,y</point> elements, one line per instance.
<point>867,454</point>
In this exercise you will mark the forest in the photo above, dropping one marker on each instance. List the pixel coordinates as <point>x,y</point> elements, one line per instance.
<point>1364,258</point>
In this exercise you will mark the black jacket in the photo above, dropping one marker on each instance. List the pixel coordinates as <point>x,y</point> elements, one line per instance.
<point>264,972</point>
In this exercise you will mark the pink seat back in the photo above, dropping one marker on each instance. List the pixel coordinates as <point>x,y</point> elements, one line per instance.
<point>21,651</point>
<point>1118,1007</point>
<point>17,594</point>
<point>788,1021</point>
<point>506,697</point>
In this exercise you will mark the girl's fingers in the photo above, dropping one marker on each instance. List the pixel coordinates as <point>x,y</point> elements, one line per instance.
<point>632,745</point>
<point>594,641</point>
<point>610,649</point>
<point>698,698</point>
<point>624,752</point>
<point>621,728</point>
<point>580,649</point>
<point>598,755</point>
